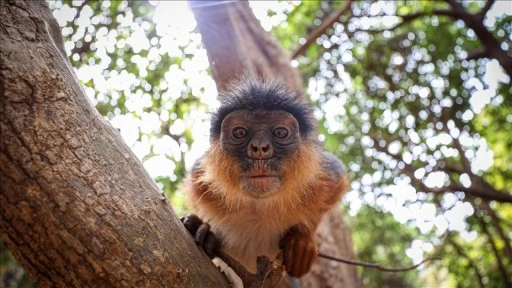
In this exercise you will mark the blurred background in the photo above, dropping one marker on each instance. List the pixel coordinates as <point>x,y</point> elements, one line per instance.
<point>413,96</point>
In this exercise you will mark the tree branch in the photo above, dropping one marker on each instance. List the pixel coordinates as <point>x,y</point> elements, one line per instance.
<point>321,29</point>
<point>471,263</point>
<point>479,187</point>
<point>436,12</point>
<point>495,221</point>
<point>373,265</point>
<point>387,269</point>
<point>488,194</point>
<point>491,44</point>
<point>268,274</point>
<point>497,253</point>
<point>478,54</point>
<point>413,16</point>
<point>465,161</point>
<point>486,9</point>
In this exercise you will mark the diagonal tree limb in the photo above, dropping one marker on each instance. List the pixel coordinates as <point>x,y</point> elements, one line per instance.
<point>495,221</point>
<point>501,266</point>
<point>479,188</point>
<point>486,9</point>
<point>489,42</point>
<point>407,18</point>
<point>321,29</point>
<point>478,54</point>
<point>460,251</point>
<point>471,263</point>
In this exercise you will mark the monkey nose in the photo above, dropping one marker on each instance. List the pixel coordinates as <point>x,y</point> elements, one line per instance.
<point>259,149</point>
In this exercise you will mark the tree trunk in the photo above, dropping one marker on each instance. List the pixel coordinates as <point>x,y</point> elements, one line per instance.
<point>78,209</point>
<point>237,44</point>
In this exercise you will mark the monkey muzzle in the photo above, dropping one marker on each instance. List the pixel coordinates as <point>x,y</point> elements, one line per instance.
<point>260,180</point>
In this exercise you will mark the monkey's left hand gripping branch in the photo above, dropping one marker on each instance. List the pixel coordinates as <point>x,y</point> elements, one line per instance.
<point>268,273</point>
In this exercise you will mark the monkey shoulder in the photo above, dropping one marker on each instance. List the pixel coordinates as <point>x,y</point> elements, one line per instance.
<point>333,181</point>
<point>332,165</point>
<point>198,165</point>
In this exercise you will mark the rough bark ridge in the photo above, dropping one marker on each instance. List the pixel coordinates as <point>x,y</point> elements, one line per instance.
<point>78,209</point>
<point>237,44</point>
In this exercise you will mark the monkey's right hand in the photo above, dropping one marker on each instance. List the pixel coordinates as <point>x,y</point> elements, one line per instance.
<point>201,233</point>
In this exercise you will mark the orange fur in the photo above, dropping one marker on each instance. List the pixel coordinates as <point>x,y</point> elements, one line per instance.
<point>248,227</point>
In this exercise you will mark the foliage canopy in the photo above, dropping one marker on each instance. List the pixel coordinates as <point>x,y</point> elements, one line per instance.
<point>407,94</point>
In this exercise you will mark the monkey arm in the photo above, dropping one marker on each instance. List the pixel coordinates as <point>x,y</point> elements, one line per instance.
<point>298,244</point>
<point>299,251</point>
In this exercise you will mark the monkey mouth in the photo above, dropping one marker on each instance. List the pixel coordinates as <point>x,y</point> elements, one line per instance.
<point>257,173</point>
<point>260,184</point>
<point>261,179</point>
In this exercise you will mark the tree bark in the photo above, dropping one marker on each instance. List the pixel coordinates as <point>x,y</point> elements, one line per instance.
<point>78,209</point>
<point>236,45</point>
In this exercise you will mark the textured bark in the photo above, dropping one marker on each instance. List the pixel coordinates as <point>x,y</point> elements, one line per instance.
<point>78,209</point>
<point>236,45</point>
<point>333,238</point>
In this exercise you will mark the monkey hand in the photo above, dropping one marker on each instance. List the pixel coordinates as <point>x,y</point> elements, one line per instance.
<point>299,252</point>
<point>201,233</point>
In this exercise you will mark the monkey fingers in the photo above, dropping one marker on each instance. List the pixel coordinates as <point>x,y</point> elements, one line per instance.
<point>201,233</point>
<point>206,239</point>
<point>299,254</point>
<point>191,223</point>
<point>211,245</point>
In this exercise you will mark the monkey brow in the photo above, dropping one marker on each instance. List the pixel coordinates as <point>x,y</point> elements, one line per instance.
<point>252,95</point>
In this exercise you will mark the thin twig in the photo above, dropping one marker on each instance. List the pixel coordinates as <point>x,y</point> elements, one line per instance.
<point>375,266</point>
<point>388,269</point>
<point>407,18</point>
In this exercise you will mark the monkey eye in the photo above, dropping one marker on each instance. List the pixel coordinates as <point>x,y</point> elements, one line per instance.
<point>280,133</point>
<point>239,133</point>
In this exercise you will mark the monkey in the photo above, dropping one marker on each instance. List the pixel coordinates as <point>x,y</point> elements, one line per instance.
<point>265,182</point>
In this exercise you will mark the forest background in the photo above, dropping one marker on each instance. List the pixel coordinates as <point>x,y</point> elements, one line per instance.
<point>413,96</point>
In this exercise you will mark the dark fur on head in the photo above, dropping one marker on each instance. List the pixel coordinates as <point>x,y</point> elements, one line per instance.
<point>250,94</point>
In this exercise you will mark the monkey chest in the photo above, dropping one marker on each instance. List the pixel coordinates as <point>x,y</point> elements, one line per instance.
<point>245,237</point>
<point>260,228</point>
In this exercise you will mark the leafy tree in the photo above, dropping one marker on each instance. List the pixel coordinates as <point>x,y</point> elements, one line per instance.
<point>416,100</point>
<point>414,96</point>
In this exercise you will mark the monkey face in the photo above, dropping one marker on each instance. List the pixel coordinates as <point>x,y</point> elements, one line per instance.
<point>261,141</point>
